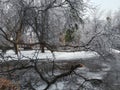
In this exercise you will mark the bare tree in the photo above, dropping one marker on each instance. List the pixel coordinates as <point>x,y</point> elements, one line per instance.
<point>42,17</point>
<point>13,23</point>
<point>43,25</point>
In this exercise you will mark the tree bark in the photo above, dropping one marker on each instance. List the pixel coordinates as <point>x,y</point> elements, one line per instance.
<point>42,46</point>
<point>16,48</point>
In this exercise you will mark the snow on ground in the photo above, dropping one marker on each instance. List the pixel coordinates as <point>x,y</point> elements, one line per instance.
<point>33,54</point>
<point>57,86</point>
<point>24,55</point>
<point>115,51</point>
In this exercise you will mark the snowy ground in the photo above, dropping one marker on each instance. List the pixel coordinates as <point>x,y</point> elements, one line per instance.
<point>33,54</point>
<point>84,55</point>
<point>84,71</point>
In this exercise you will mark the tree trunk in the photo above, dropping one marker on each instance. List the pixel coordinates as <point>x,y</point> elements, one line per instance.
<point>16,48</point>
<point>42,46</point>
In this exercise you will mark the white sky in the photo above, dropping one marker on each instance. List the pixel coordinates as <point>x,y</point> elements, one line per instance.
<point>107,5</point>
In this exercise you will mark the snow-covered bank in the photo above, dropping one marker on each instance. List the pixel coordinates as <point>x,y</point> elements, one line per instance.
<point>33,54</point>
<point>87,71</point>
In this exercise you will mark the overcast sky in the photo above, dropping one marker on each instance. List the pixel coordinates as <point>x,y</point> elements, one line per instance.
<point>107,4</point>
